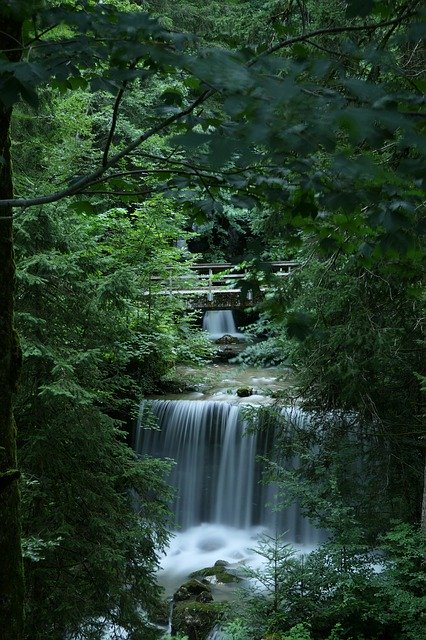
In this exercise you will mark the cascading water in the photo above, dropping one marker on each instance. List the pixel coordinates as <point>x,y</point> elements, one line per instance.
<point>217,634</point>
<point>216,474</point>
<point>221,505</point>
<point>219,323</point>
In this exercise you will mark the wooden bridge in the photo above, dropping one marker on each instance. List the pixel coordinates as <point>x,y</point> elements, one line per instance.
<point>222,285</point>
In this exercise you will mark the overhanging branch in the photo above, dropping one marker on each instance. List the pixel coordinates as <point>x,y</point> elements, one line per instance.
<point>81,185</point>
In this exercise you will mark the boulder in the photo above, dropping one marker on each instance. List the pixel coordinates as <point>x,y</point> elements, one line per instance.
<point>244,392</point>
<point>204,596</point>
<point>191,589</point>
<point>227,339</point>
<point>218,574</point>
<point>221,563</point>
<point>196,619</point>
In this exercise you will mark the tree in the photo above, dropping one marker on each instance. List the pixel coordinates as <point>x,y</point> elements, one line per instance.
<point>291,130</point>
<point>92,345</point>
<point>335,592</point>
<point>11,570</point>
<point>356,348</point>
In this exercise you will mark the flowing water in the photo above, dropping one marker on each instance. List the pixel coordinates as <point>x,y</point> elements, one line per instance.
<point>220,323</point>
<point>221,505</point>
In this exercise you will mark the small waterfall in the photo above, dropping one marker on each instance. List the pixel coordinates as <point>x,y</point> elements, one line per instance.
<point>217,475</point>
<point>216,634</point>
<point>220,323</point>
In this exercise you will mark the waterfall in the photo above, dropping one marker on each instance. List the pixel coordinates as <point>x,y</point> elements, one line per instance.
<point>216,634</point>
<point>217,474</point>
<point>220,323</point>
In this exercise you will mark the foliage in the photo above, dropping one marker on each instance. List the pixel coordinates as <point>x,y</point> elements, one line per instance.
<point>337,591</point>
<point>320,126</point>
<point>298,632</point>
<point>235,630</point>
<point>271,585</point>
<point>355,370</point>
<point>270,346</point>
<point>404,581</point>
<point>85,537</point>
<point>321,148</point>
<point>94,516</point>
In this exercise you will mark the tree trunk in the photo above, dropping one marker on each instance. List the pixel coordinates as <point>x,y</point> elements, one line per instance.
<point>423,519</point>
<point>11,569</point>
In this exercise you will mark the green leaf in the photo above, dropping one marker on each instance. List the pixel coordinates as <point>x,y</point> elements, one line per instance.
<point>191,140</point>
<point>359,8</point>
<point>210,206</point>
<point>78,83</point>
<point>172,97</point>
<point>83,206</point>
<point>103,84</point>
<point>244,201</point>
<point>299,324</point>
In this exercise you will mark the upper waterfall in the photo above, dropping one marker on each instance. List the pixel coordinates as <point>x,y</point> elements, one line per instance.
<point>220,323</point>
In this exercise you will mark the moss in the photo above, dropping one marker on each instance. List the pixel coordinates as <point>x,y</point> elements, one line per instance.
<point>219,571</point>
<point>191,589</point>
<point>244,392</point>
<point>196,619</point>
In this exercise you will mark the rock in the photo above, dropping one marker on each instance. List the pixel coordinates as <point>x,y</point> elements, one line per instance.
<point>190,590</point>
<point>244,392</point>
<point>227,351</point>
<point>227,339</point>
<point>196,619</point>
<point>218,574</point>
<point>205,596</point>
<point>221,563</point>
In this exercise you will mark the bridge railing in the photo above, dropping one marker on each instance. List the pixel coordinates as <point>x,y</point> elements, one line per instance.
<point>210,278</point>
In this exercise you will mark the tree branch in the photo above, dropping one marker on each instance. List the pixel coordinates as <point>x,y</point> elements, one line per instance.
<point>405,10</point>
<point>114,119</point>
<point>81,184</point>
<point>84,182</point>
<point>326,31</point>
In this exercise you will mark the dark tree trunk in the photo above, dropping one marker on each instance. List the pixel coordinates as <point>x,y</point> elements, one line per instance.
<point>423,517</point>
<point>11,569</point>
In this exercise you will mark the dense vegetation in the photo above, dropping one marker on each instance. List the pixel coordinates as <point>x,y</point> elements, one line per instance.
<point>253,131</point>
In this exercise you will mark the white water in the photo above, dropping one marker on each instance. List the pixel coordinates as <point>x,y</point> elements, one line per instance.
<point>221,506</point>
<point>215,470</point>
<point>217,634</point>
<point>220,323</point>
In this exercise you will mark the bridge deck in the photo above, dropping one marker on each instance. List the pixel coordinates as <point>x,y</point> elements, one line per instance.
<point>212,285</point>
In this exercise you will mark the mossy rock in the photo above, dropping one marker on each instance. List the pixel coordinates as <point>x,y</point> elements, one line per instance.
<point>205,596</point>
<point>219,571</point>
<point>191,589</point>
<point>196,619</point>
<point>244,392</point>
<point>227,339</point>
